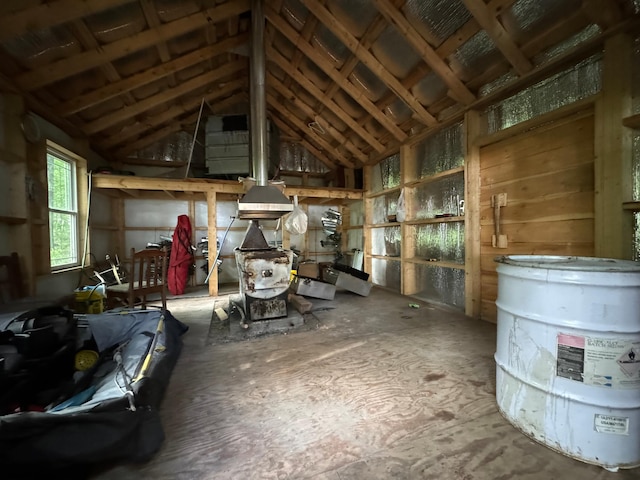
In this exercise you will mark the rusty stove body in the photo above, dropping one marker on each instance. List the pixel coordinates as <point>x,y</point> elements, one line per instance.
<point>264,274</point>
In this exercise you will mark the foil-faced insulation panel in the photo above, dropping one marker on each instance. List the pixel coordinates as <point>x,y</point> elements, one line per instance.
<point>173,148</point>
<point>117,23</point>
<point>295,158</point>
<point>436,20</point>
<point>440,152</point>
<point>355,239</point>
<point>356,213</point>
<point>441,197</point>
<point>386,241</point>
<point>578,82</point>
<point>440,285</point>
<point>42,47</point>
<point>529,18</point>
<point>331,45</point>
<point>429,89</point>
<point>395,53</point>
<point>567,44</point>
<point>440,241</point>
<point>365,79</point>
<point>470,59</point>
<point>636,165</point>
<point>383,206</point>
<point>356,15</point>
<point>170,10</point>
<point>635,76</point>
<point>386,273</point>
<point>398,111</point>
<point>295,13</point>
<point>386,174</point>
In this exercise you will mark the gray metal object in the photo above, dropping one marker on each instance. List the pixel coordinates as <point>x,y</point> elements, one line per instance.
<point>258,117</point>
<point>348,282</point>
<point>313,288</point>
<point>261,201</point>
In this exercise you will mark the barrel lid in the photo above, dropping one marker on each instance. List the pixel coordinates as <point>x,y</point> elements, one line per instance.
<point>560,262</point>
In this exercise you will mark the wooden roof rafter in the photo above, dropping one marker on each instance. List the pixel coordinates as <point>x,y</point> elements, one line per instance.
<point>145,77</point>
<point>334,133</point>
<point>369,60</point>
<point>311,136</point>
<point>317,57</point>
<point>66,67</point>
<point>309,86</point>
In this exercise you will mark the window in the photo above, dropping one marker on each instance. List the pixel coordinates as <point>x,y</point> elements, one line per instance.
<point>64,235</point>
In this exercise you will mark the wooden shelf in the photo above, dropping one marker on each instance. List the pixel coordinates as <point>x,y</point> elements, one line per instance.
<point>381,225</point>
<point>426,221</point>
<point>436,177</point>
<point>387,257</point>
<point>633,206</point>
<point>12,220</point>
<point>632,122</point>
<point>438,263</point>
<point>382,193</point>
<point>104,227</point>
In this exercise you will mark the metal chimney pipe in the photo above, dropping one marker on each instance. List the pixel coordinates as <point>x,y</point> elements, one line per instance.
<point>258,109</point>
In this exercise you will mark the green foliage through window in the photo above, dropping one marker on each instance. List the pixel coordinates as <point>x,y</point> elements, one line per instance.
<point>63,210</point>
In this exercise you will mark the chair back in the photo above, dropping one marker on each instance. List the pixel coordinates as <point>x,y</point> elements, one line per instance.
<point>148,274</point>
<point>11,286</point>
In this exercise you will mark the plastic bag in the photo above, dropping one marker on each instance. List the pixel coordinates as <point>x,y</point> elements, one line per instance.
<point>296,221</point>
<point>400,212</point>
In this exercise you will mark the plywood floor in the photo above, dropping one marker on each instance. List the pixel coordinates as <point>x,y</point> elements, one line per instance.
<point>378,391</point>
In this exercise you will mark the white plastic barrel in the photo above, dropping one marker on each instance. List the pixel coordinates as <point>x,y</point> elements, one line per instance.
<point>568,354</point>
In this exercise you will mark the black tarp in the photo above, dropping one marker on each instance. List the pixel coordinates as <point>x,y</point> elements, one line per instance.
<point>138,350</point>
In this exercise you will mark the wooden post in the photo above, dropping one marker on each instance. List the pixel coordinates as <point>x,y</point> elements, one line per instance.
<point>409,275</point>
<point>472,282</point>
<point>212,235</point>
<point>613,153</point>
<point>368,218</point>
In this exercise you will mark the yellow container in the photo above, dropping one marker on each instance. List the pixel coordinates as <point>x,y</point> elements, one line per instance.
<point>292,276</point>
<point>89,300</point>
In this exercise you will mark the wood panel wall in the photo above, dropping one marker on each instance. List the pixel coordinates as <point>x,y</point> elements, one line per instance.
<point>548,176</point>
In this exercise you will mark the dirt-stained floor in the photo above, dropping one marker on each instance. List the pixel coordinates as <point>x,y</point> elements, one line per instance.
<point>375,390</point>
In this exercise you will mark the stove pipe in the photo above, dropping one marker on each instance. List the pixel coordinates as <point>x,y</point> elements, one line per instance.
<point>263,201</point>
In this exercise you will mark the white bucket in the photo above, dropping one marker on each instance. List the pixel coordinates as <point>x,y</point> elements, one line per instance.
<point>568,354</point>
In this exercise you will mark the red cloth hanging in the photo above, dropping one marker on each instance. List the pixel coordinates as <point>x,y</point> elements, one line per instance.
<point>181,257</point>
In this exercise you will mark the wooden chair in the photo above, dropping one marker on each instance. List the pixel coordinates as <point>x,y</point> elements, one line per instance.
<point>148,275</point>
<point>11,286</point>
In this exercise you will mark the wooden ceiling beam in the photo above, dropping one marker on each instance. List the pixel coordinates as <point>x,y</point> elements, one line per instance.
<point>458,90</point>
<point>282,125</point>
<point>369,60</point>
<point>176,110</point>
<point>374,30</point>
<point>190,85</point>
<point>311,113</point>
<point>293,119</point>
<point>153,21</point>
<point>318,58</point>
<point>307,32</point>
<point>112,90</point>
<point>309,86</point>
<point>175,126</point>
<point>88,41</point>
<point>66,67</point>
<point>50,14</point>
<point>499,35</point>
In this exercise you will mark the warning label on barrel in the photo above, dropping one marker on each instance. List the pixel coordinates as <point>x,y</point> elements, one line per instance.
<point>611,424</point>
<point>604,362</point>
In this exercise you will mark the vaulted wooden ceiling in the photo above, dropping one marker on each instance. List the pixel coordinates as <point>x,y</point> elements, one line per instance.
<point>348,79</point>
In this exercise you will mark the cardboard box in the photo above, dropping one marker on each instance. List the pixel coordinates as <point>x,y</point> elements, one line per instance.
<point>308,270</point>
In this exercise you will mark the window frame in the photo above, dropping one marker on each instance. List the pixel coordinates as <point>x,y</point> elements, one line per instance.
<point>79,169</point>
